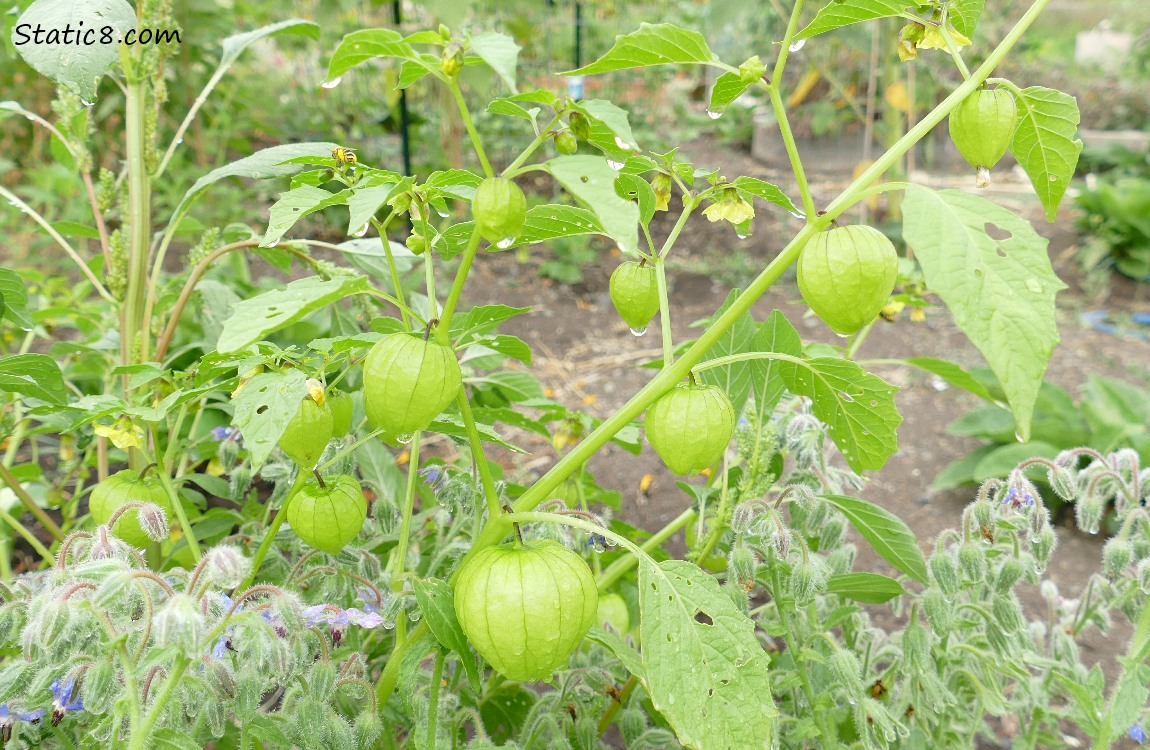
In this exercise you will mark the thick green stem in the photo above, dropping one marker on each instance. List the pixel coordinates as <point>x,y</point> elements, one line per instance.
<point>828,735</point>
<point>478,456</point>
<point>398,563</point>
<point>273,529</point>
<point>457,285</point>
<point>181,514</point>
<point>397,286</point>
<point>467,123</point>
<point>664,311</point>
<point>433,700</point>
<point>139,739</point>
<point>134,328</point>
<point>510,171</point>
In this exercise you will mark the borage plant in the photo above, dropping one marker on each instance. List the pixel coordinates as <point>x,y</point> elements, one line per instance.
<point>356,626</point>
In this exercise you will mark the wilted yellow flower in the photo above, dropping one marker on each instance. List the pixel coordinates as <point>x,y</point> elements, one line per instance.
<point>731,207</point>
<point>932,38</point>
<point>661,184</point>
<point>123,434</point>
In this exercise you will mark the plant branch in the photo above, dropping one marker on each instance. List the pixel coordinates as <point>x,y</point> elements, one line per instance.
<point>44,519</point>
<point>467,123</point>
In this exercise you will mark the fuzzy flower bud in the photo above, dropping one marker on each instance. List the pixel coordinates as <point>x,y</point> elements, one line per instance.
<point>1043,546</point>
<point>916,645</point>
<point>226,567</point>
<point>52,623</point>
<point>179,623</point>
<point>1088,513</point>
<point>1062,482</point>
<point>752,70</point>
<point>566,143</point>
<point>1144,576</point>
<point>939,610</point>
<point>632,723</point>
<point>972,562</point>
<point>1009,574</point>
<point>944,571</point>
<point>154,522</point>
<point>743,564</point>
<point>321,682</point>
<point>808,577</point>
<point>841,559</point>
<point>100,686</point>
<point>1007,611</point>
<point>368,728</point>
<point>1116,556</point>
<point>847,672</point>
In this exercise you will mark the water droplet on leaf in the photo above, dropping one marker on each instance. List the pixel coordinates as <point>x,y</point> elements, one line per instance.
<point>331,84</point>
<point>795,47</point>
<point>504,243</point>
<point>405,438</point>
<point>360,232</point>
<point>616,165</point>
<point>714,114</point>
<point>623,144</point>
<point>639,331</point>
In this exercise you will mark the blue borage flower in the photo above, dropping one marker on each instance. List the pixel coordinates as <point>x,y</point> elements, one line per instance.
<point>8,719</point>
<point>1137,733</point>
<point>220,434</point>
<point>64,702</point>
<point>224,644</point>
<point>434,476</point>
<point>338,619</point>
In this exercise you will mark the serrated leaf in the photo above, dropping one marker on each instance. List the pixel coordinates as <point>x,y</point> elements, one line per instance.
<point>500,52</point>
<point>263,408</point>
<point>1044,143</point>
<point>964,15</point>
<point>508,346</point>
<point>14,294</point>
<point>868,588</point>
<point>706,671</point>
<point>296,204</point>
<point>619,137</point>
<point>652,44</point>
<point>735,378</point>
<point>35,375</point>
<point>837,14</point>
<point>857,406</point>
<point>728,87</point>
<point>268,162</point>
<point>484,318</point>
<point>750,186</point>
<point>891,538</point>
<point>775,334</point>
<point>592,181</point>
<point>1000,292</point>
<point>256,317</point>
<point>76,67</point>
<point>437,602</point>
<point>360,46</point>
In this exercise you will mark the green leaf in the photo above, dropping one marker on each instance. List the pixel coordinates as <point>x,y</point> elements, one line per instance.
<point>652,44</point>
<point>296,204</point>
<point>268,162</point>
<point>76,67</point>
<point>235,44</point>
<point>592,181</point>
<point>960,471</point>
<point>619,137</point>
<point>953,374</point>
<point>964,15</point>
<point>508,346</point>
<point>484,318</point>
<point>735,378</point>
<point>14,295</point>
<point>775,334</point>
<point>890,537</point>
<point>256,317</point>
<point>728,87</point>
<point>437,602</point>
<point>1129,698</point>
<point>500,52</point>
<point>868,588</point>
<point>504,709</point>
<point>613,642</point>
<point>1000,292</point>
<point>706,671</point>
<point>543,223</point>
<point>1044,143</point>
<point>360,46</point>
<point>363,204</point>
<point>369,256</point>
<point>35,375</point>
<point>170,739</point>
<point>857,406</point>
<point>837,14</point>
<point>1001,460</point>
<point>750,186</point>
<point>263,408</point>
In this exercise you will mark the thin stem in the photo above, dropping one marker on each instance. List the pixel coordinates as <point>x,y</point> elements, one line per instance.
<point>952,47</point>
<point>828,735</point>
<point>269,536</point>
<point>579,523</point>
<point>101,227</point>
<point>467,123</point>
<point>541,136</point>
<point>181,514</point>
<point>140,736</point>
<point>721,518</point>
<point>36,217</point>
<point>478,455</point>
<point>613,707</point>
<point>433,699</point>
<point>398,563</point>
<point>30,504</point>
<point>397,285</point>
<point>460,279</point>
<point>664,311</point>
<point>29,537</point>
<point>857,341</point>
<point>780,109</point>
<point>622,565</point>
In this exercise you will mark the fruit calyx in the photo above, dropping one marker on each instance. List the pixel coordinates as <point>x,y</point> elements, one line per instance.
<point>846,275</point>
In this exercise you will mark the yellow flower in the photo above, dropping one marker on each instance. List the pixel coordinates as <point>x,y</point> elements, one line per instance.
<point>123,434</point>
<point>932,38</point>
<point>730,207</point>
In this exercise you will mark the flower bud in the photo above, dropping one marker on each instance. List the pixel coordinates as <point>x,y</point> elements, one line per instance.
<point>940,611</point>
<point>841,559</point>
<point>1088,513</point>
<point>566,143</point>
<point>179,623</point>
<point>1062,482</point>
<point>586,733</point>
<point>229,453</point>
<point>1043,546</point>
<point>416,243</point>
<point>1009,574</point>
<point>321,681</point>
<point>661,186</point>
<point>1144,576</point>
<point>944,571</point>
<point>100,686</point>
<point>338,731</point>
<point>832,533</point>
<point>972,562</point>
<point>845,669</point>
<point>1116,556</point>
<point>808,577</point>
<point>743,565</point>
<point>52,623</point>
<point>580,125</point>
<point>983,513</point>
<point>154,522</point>
<point>220,677</point>
<point>1141,547</point>
<point>632,724</point>
<point>226,567</point>
<point>740,596</point>
<point>240,481</point>
<point>249,691</point>
<point>1007,611</point>
<point>752,70</point>
<point>113,588</point>
<point>368,728</point>
<point>452,60</point>
<point>916,645</point>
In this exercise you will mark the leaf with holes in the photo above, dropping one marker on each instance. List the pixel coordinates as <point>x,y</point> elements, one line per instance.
<point>296,204</point>
<point>35,375</point>
<point>652,44</point>
<point>1044,143</point>
<point>76,67</point>
<point>837,14</point>
<point>706,671</point>
<point>592,181</point>
<point>256,317</point>
<point>1000,291</point>
<point>891,538</point>
<point>263,408</point>
<point>857,407</point>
